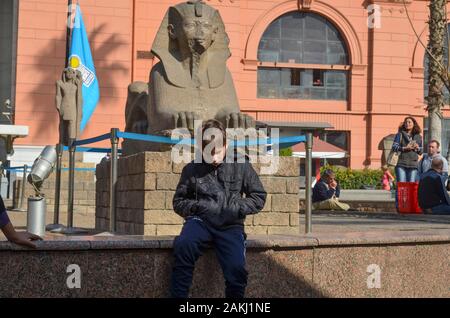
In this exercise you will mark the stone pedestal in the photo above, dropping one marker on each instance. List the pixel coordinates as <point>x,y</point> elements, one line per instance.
<point>147,183</point>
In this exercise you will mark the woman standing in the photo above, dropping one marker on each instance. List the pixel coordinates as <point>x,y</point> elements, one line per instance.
<point>408,142</point>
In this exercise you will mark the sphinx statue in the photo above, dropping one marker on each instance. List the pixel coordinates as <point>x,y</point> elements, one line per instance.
<point>190,82</point>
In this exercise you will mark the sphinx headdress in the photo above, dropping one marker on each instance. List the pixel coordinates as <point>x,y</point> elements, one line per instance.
<point>166,48</point>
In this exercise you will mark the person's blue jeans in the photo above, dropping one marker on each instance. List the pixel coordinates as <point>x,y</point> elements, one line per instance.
<point>403,174</point>
<point>406,174</point>
<point>229,246</point>
<point>442,209</point>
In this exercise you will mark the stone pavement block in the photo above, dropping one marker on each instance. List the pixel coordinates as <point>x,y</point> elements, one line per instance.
<point>169,200</point>
<point>294,219</point>
<point>89,186</point>
<point>285,202</point>
<point>158,162</point>
<point>167,181</point>
<point>268,205</point>
<point>135,164</point>
<point>274,184</point>
<point>162,217</point>
<point>162,230</point>
<point>136,216</point>
<point>154,200</point>
<point>271,218</point>
<point>283,230</point>
<point>90,195</point>
<point>178,167</point>
<point>286,166</point>
<point>101,171</point>
<point>293,185</point>
<point>121,215</point>
<point>149,229</point>
<point>249,220</point>
<point>256,230</point>
<point>101,212</point>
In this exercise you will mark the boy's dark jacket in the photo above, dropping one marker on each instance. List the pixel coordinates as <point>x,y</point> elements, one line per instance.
<point>215,194</point>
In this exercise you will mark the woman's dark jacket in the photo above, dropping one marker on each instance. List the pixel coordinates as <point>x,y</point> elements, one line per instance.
<point>407,158</point>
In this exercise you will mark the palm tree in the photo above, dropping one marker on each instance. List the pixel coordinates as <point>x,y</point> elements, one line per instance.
<point>438,74</point>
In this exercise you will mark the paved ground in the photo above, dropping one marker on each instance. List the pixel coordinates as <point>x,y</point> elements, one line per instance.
<point>323,222</point>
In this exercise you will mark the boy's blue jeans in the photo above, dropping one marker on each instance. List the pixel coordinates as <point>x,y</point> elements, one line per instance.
<point>229,246</point>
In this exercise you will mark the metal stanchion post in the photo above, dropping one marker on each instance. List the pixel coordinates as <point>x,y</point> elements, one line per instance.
<point>56,226</point>
<point>71,184</point>
<point>308,171</point>
<point>22,194</point>
<point>1,177</point>
<point>113,179</point>
<point>70,229</point>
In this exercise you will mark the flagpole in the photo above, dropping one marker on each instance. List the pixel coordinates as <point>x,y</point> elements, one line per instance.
<point>68,33</point>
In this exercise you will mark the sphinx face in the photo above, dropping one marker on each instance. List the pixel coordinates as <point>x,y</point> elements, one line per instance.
<point>198,33</point>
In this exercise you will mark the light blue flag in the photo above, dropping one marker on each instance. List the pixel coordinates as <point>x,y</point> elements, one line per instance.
<point>80,58</point>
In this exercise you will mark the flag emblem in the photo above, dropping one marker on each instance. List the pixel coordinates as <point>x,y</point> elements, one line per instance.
<point>88,75</point>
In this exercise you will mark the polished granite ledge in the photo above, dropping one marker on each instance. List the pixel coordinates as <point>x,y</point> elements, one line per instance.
<point>80,243</point>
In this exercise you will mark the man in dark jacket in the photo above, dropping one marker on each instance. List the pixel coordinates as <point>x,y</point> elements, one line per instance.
<point>326,193</point>
<point>209,198</point>
<point>433,196</point>
<point>20,238</point>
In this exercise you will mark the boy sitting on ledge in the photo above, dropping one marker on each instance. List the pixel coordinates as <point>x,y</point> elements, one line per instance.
<point>209,198</point>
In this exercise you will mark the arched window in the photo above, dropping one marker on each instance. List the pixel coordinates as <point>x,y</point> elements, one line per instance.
<point>427,73</point>
<point>302,56</point>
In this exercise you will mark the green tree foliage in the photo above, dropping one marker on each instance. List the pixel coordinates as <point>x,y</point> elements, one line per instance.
<point>286,152</point>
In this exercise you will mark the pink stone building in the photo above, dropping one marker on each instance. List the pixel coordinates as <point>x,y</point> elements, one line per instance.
<point>354,64</point>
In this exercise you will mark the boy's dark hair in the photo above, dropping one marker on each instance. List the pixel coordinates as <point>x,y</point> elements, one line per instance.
<point>212,123</point>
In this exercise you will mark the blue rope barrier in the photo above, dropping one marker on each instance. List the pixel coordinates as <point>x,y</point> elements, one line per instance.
<point>80,169</point>
<point>156,139</point>
<point>20,170</point>
<point>63,169</point>
<point>92,140</point>
<point>92,150</point>
<point>15,168</point>
<point>285,141</point>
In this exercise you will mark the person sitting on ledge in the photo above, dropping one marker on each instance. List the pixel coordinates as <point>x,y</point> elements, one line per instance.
<point>20,238</point>
<point>326,193</point>
<point>433,196</point>
<point>210,198</point>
